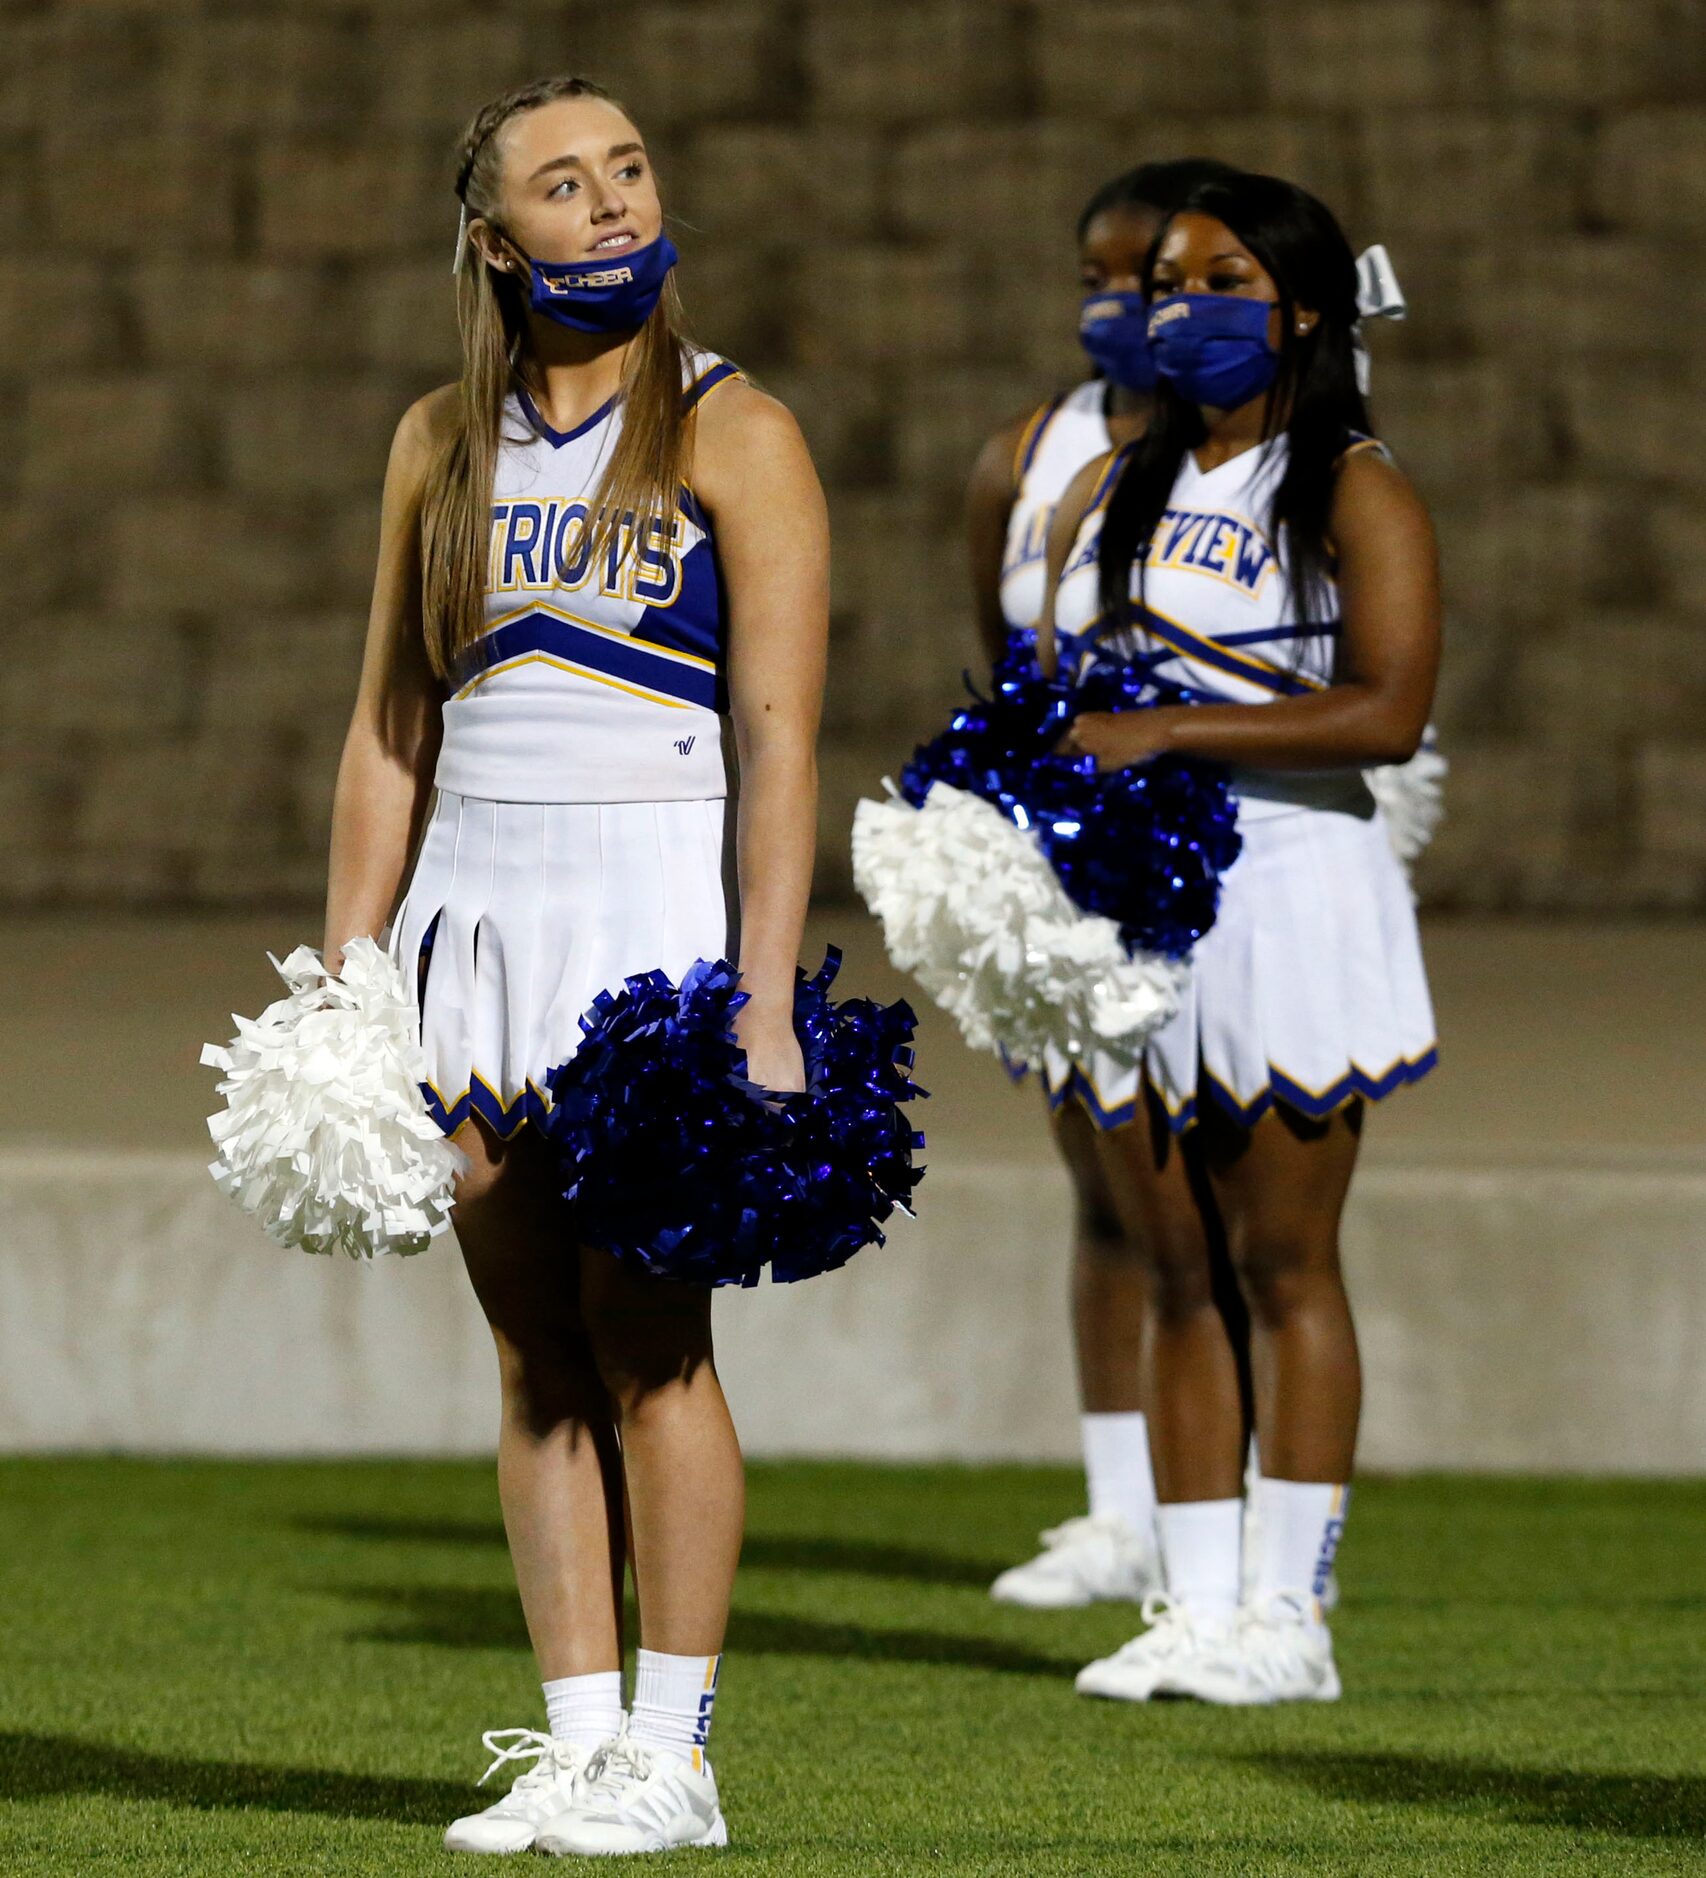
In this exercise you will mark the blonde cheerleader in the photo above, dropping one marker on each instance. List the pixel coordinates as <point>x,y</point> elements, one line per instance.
<point>595,544</point>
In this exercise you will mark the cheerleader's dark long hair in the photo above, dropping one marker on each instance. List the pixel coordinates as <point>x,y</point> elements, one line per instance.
<point>1314,401</point>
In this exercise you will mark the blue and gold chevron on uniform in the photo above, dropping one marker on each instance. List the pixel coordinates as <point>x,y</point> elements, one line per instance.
<point>626,661</point>
<point>1213,611</point>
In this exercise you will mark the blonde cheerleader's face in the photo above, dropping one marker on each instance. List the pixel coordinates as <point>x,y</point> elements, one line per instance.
<point>578,184</point>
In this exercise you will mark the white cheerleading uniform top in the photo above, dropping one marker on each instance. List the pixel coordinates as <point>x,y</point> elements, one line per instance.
<point>597,679</point>
<point>1061,437</point>
<point>1216,613</point>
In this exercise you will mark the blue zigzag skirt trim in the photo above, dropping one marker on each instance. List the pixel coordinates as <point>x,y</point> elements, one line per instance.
<point>1356,1084</point>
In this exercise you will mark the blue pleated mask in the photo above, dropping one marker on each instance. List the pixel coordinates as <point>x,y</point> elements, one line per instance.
<point>1213,347</point>
<point>615,294</point>
<point>1114,329</point>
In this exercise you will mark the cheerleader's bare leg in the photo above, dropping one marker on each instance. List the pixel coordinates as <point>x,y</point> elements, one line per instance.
<point>1109,1284</point>
<point>651,1341</point>
<point>1158,1373</point>
<point>1278,1190</point>
<point>1281,1188</point>
<point>1194,1403</point>
<point>1190,1370</point>
<point>559,1465</point>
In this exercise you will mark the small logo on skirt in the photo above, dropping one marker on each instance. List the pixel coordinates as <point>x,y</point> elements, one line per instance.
<point>683,745</point>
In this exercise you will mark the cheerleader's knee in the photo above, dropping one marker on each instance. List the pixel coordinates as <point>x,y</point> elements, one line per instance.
<point>1100,1235</point>
<point>1285,1267</point>
<point>549,1382</point>
<point>1175,1259</point>
<point>646,1334</point>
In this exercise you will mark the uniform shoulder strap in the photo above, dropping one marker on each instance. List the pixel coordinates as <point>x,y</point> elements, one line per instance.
<point>1358,441</point>
<point>706,372</point>
<point>1100,495</point>
<point>1031,437</point>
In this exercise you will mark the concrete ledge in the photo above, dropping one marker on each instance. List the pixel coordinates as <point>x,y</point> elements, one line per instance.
<point>1520,1316</point>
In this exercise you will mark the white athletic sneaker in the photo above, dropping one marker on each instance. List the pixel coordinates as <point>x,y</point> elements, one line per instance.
<point>1275,1652</point>
<point>1090,1559</point>
<point>635,1800</point>
<point>1148,1665</point>
<point>544,1791</point>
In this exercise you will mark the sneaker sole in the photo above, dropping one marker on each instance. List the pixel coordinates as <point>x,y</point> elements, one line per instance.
<point>1329,1691</point>
<point>1071,1604</point>
<point>716,1835</point>
<point>1106,1694</point>
<point>488,1851</point>
<point>1039,1604</point>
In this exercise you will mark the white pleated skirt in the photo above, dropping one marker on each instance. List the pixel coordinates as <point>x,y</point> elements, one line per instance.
<point>1309,988</point>
<point>518,914</point>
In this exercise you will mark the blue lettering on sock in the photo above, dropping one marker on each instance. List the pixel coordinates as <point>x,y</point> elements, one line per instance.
<point>1330,1545</point>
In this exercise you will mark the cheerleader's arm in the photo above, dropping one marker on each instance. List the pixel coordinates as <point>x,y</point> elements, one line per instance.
<point>390,751</point>
<point>755,476</point>
<point>1377,709</point>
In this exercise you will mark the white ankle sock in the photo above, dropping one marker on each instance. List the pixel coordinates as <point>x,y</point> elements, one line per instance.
<point>1117,1470</point>
<point>672,1702</point>
<point>1301,1524</point>
<point>585,1709</point>
<point>1200,1541</point>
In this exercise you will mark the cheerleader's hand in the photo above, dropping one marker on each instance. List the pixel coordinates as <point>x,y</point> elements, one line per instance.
<point>773,1058</point>
<point>1118,739</point>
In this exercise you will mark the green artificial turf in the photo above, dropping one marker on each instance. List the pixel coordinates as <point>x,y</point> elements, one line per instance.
<point>232,1668</point>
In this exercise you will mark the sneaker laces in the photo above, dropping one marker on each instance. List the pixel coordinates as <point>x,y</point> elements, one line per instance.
<point>1161,1608</point>
<point>524,1744</point>
<point>619,1757</point>
<point>1279,1610</point>
<point>1167,1621</point>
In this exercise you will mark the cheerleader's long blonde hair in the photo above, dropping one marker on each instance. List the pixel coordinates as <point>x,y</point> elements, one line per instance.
<point>645,470</point>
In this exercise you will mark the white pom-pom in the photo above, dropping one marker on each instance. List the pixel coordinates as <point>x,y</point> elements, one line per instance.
<point>971,907</point>
<point>325,1137</point>
<point>1411,797</point>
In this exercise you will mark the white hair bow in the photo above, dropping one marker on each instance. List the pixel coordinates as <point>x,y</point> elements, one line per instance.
<point>1379,297</point>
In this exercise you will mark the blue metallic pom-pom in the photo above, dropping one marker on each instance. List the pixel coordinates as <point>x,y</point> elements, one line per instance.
<point>990,745</point>
<point>1145,846</point>
<point>677,1162</point>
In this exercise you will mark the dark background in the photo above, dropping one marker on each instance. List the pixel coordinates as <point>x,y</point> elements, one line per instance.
<point>227,273</point>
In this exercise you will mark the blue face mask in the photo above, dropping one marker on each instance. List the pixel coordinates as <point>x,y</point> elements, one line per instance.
<point>612,295</point>
<point>1213,347</point>
<point>1114,329</point>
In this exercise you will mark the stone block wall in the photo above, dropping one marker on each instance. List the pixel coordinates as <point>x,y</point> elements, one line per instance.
<point>227,274</point>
